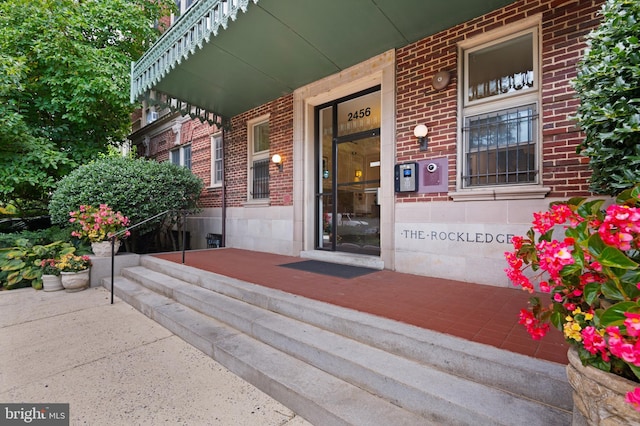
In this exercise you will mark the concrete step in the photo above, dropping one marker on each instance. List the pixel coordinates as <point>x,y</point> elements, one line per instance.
<point>532,378</point>
<point>440,378</point>
<point>314,394</point>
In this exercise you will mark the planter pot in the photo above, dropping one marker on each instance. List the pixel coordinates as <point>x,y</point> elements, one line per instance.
<point>75,281</point>
<point>52,283</point>
<point>598,396</point>
<point>103,248</point>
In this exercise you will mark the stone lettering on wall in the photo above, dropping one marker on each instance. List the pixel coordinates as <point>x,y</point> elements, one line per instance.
<point>457,236</point>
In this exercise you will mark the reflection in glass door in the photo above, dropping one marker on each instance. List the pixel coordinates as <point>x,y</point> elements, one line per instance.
<point>349,174</point>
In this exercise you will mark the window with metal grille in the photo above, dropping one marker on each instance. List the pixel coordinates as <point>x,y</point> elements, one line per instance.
<point>500,109</point>
<point>260,182</point>
<point>258,159</point>
<point>500,147</point>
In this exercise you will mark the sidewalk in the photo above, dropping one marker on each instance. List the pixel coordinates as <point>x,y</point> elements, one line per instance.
<point>115,366</point>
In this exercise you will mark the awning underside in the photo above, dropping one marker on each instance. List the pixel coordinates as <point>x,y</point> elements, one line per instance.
<point>277,46</point>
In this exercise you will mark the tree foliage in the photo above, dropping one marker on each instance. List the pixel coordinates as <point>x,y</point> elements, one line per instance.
<point>608,85</point>
<point>64,80</point>
<point>138,188</point>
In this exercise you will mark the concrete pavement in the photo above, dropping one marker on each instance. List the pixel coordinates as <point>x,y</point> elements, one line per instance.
<point>115,366</point>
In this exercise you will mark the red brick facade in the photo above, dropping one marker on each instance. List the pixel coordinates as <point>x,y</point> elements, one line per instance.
<point>564,25</point>
<point>415,230</point>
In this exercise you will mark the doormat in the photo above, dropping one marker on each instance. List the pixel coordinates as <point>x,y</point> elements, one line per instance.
<point>331,269</point>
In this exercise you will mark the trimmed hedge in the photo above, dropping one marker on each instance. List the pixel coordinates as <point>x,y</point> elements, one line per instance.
<point>608,85</point>
<point>138,188</point>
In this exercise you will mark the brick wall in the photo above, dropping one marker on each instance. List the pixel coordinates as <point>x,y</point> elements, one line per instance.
<point>564,25</point>
<point>281,142</point>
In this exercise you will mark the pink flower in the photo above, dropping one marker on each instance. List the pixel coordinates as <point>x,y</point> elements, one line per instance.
<point>633,324</point>
<point>633,398</point>
<point>513,260</point>
<point>517,242</point>
<point>544,287</point>
<point>621,348</point>
<point>594,342</point>
<point>519,279</point>
<point>542,222</point>
<point>559,214</point>
<point>554,256</point>
<point>620,226</point>
<point>534,327</point>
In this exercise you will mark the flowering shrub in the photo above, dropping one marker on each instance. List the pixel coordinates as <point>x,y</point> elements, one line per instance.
<point>98,224</point>
<point>592,277</point>
<point>73,263</point>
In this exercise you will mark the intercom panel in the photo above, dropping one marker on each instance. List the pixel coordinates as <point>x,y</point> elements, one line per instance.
<point>434,174</point>
<point>406,177</point>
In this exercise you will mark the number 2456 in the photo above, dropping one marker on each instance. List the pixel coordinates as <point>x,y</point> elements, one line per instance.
<point>364,112</point>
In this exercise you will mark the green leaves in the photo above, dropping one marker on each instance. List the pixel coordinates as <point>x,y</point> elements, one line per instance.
<point>64,85</point>
<point>615,314</point>
<point>608,85</point>
<point>138,188</point>
<point>614,258</point>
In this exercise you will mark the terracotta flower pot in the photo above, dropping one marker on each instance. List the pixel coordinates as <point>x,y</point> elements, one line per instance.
<point>598,396</point>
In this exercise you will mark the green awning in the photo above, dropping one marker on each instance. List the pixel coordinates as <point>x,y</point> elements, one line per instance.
<point>222,58</point>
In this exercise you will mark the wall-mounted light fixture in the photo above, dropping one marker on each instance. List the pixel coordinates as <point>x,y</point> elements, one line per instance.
<point>277,160</point>
<point>420,132</point>
<point>357,176</point>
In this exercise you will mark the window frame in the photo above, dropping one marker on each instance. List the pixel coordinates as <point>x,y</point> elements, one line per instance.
<point>253,156</point>
<point>182,157</point>
<point>494,104</point>
<point>217,160</point>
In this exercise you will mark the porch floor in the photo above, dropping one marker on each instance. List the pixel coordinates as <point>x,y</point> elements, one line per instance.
<point>480,313</point>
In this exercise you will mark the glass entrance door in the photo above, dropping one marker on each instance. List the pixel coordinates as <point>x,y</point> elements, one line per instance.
<point>348,213</point>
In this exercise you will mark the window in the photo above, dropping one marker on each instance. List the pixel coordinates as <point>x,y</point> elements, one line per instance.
<point>500,110</point>
<point>258,159</point>
<point>181,156</point>
<point>216,160</point>
<point>182,6</point>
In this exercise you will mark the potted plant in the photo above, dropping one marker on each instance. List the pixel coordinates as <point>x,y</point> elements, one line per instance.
<point>49,254</point>
<point>74,271</point>
<point>51,280</point>
<point>21,265</point>
<point>97,225</point>
<point>592,279</point>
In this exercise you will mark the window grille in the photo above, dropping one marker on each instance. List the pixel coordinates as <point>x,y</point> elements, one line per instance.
<point>261,179</point>
<point>500,147</point>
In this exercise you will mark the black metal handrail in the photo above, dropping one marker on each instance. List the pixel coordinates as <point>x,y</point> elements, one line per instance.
<point>115,236</point>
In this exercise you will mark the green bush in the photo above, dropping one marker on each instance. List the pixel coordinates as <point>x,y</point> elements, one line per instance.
<point>41,237</point>
<point>138,188</point>
<point>608,85</point>
<point>20,265</point>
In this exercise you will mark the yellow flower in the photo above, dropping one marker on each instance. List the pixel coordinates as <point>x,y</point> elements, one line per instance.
<point>572,330</point>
